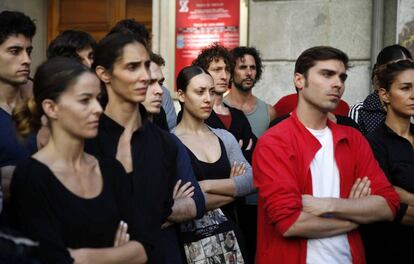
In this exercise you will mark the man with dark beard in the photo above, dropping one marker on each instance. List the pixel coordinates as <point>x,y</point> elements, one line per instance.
<point>246,71</point>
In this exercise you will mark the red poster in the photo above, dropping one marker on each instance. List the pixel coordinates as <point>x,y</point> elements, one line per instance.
<point>199,23</point>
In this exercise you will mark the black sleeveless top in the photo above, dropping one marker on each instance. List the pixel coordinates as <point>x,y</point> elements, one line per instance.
<point>217,170</point>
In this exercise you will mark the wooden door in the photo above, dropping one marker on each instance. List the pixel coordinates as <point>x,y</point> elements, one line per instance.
<point>95,16</point>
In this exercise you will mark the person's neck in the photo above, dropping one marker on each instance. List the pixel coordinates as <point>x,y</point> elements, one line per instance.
<point>310,116</point>
<point>10,96</point>
<point>399,124</point>
<point>219,106</point>
<point>190,124</point>
<point>239,98</point>
<point>124,113</point>
<point>65,150</point>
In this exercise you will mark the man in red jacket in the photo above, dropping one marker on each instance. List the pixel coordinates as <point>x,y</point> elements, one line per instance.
<point>317,180</point>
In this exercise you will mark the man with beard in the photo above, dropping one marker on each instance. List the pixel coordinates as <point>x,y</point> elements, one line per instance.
<point>246,71</point>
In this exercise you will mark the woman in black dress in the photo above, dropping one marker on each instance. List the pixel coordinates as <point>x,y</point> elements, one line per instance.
<point>75,205</point>
<point>392,144</point>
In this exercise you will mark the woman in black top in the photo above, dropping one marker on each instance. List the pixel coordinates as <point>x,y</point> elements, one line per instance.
<point>74,205</point>
<point>215,156</point>
<point>148,154</point>
<point>392,144</point>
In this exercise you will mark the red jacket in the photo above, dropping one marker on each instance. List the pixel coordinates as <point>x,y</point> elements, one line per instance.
<point>281,171</point>
<point>288,103</point>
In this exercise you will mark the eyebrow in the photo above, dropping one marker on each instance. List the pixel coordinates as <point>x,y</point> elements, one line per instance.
<point>343,76</point>
<point>85,94</point>
<point>20,47</point>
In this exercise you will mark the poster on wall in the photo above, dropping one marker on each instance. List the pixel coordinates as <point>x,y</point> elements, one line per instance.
<point>405,24</point>
<point>199,23</point>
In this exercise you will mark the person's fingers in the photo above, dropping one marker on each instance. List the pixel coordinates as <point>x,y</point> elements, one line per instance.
<point>118,234</point>
<point>354,186</point>
<point>365,190</point>
<point>181,191</point>
<point>240,169</point>
<point>124,234</point>
<point>188,191</point>
<point>233,168</point>
<point>241,143</point>
<point>360,187</point>
<point>249,146</point>
<point>176,187</point>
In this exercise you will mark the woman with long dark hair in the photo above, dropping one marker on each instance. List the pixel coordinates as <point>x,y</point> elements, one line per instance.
<point>148,154</point>
<point>76,206</point>
<point>219,165</point>
<point>392,143</point>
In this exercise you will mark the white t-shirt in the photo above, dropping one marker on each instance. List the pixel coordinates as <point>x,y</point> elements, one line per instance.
<point>325,183</point>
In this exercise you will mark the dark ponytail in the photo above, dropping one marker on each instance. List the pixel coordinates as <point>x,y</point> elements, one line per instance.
<point>52,78</point>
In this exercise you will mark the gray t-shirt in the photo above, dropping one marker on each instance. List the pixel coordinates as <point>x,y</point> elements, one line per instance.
<point>168,105</point>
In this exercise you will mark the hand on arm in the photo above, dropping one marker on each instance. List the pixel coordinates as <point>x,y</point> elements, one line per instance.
<point>121,235</point>
<point>183,191</point>
<point>407,198</point>
<point>315,219</point>
<point>321,206</point>
<point>223,187</point>
<point>123,251</point>
<point>368,208</point>
<point>184,207</point>
<point>361,188</point>
<point>131,252</point>
<point>311,226</point>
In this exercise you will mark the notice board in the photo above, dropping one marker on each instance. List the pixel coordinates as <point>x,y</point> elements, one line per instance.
<point>199,23</point>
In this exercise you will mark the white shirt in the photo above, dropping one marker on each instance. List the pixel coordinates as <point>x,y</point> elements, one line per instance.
<point>326,183</point>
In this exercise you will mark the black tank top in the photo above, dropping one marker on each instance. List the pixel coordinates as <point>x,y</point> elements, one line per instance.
<point>215,171</point>
<point>219,169</point>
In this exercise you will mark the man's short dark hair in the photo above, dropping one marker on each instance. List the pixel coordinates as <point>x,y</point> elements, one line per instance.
<point>134,27</point>
<point>13,23</point>
<point>240,52</point>
<point>211,53</point>
<point>67,43</point>
<point>309,57</point>
<point>157,59</point>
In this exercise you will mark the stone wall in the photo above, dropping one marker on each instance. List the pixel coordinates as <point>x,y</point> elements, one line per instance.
<point>281,30</point>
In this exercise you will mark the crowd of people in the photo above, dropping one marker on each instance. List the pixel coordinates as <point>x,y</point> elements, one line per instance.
<point>97,167</point>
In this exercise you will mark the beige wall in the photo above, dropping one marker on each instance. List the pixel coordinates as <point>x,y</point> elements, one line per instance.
<point>289,27</point>
<point>37,10</point>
